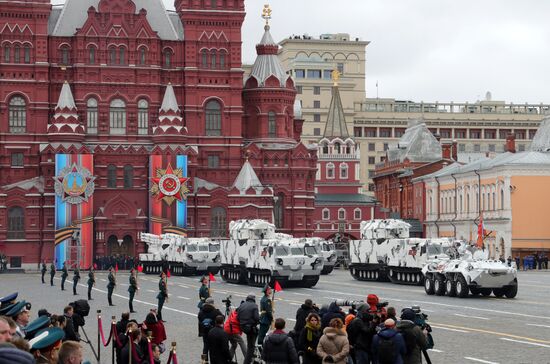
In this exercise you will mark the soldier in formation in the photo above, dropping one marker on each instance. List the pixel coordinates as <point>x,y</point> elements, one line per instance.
<point>91,282</point>
<point>266,314</point>
<point>111,286</point>
<point>52,273</point>
<point>43,270</point>
<point>163,295</point>
<point>132,288</point>
<point>76,278</point>
<point>64,275</point>
<point>204,291</point>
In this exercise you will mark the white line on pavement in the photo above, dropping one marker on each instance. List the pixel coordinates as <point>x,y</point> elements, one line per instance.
<point>150,290</point>
<point>185,298</point>
<point>449,329</point>
<point>479,360</point>
<point>525,342</point>
<point>470,316</point>
<point>436,350</point>
<point>301,294</point>
<point>548,327</point>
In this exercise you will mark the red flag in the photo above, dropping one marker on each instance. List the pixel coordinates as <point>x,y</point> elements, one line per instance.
<point>278,287</point>
<point>211,277</point>
<point>168,273</point>
<point>480,232</point>
<point>140,268</point>
<point>116,267</point>
<point>95,265</point>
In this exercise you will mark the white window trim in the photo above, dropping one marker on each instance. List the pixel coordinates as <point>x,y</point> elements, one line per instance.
<point>328,214</point>
<point>344,211</point>
<point>355,214</point>
<point>331,166</point>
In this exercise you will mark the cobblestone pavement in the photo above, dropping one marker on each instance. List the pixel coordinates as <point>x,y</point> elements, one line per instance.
<point>480,329</point>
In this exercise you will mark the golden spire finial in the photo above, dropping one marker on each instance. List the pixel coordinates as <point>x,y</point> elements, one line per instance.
<point>335,76</point>
<point>266,14</point>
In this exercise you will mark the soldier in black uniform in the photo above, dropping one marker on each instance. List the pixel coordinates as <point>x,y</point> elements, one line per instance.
<point>76,278</point>
<point>111,286</point>
<point>91,282</point>
<point>64,275</point>
<point>266,314</point>
<point>43,271</point>
<point>52,273</point>
<point>162,296</point>
<point>133,287</point>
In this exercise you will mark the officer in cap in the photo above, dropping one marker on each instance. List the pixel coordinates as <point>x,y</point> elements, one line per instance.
<point>111,286</point>
<point>39,324</point>
<point>43,270</point>
<point>204,291</point>
<point>46,344</point>
<point>162,296</point>
<point>266,314</point>
<point>64,275</point>
<point>76,278</point>
<point>7,301</point>
<point>52,273</point>
<point>20,313</point>
<point>91,282</point>
<point>132,288</point>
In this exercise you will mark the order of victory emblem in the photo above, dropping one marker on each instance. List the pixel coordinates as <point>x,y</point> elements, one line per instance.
<point>75,184</point>
<point>169,185</point>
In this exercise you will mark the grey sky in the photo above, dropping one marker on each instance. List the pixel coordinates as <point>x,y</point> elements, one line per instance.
<point>428,50</point>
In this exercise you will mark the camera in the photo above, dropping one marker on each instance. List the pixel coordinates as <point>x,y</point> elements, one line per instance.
<point>421,318</point>
<point>381,305</point>
<point>227,301</point>
<point>350,303</point>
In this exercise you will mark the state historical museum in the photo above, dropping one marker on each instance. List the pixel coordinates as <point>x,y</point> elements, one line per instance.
<point>119,117</point>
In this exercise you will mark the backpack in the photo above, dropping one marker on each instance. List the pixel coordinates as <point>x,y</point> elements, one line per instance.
<point>207,324</point>
<point>386,350</point>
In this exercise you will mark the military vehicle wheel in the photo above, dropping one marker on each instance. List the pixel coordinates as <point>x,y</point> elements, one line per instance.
<point>474,291</point>
<point>462,289</point>
<point>511,291</point>
<point>499,292</point>
<point>439,286</point>
<point>429,285</point>
<point>450,288</point>
<point>486,292</point>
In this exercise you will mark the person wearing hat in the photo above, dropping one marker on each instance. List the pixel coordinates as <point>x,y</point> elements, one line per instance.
<point>388,346</point>
<point>415,339</point>
<point>64,275</point>
<point>52,273</point>
<point>249,317</point>
<point>39,324</point>
<point>76,278</point>
<point>11,354</point>
<point>206,320</point>
<point>111,286</point>
<point>46,344</point>
<point>21,315</point>
<point>43,270</point>
<point>204,291</point>
<point>162,296</point>
<point>132,288</point>
<point>91,282</point>
<point>7,301</point>
<point>266,314</point>
<point>360,333</point>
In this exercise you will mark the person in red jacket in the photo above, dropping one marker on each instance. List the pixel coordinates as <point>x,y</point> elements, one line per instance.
<point>158,332</point>
<point>233,329</point>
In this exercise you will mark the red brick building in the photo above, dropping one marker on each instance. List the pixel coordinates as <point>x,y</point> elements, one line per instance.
<point>141,81</point>
<point>417,153</point>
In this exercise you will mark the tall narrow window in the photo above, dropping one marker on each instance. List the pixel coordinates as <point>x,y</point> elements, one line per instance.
<point>167,58</point>
<point>112,55</point>
<point>27,53</point>
<point>222,60</point>
<point>117,117</point>
<point>271,125</point>
<point>128,176</point>
<point>16,223</point>
<point>142,56</point>
<point>204,58</point>
<point>330,170</point>
<point>341,214</point>
<point>65,55</point>
<point>7,55</point>
<point>218,222</point>
<point>17,115</point>
<point>111,176</point>
<point>143,117</point>
<point>343,171</point>
<point>122,55</point>
<point>278,211</point>
<point>16,54</point>
<point>213,118</point>
<point>91,116</point>
<point>213,59</point>
<point>92,55</point>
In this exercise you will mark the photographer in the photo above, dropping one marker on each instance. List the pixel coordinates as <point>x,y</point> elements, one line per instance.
<point>70,332</point>
<point>415,338</point>
<point>360,333</point>
<point>207,320</point>
<point>301,315</point>
<point>233,329</point>
<point>249,318</point>
<point>334,311</point>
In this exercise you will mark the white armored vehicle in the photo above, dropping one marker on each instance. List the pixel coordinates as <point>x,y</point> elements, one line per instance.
<point>256,255</point>
<point>471,273</point>
<point>387,253</point>
<point>328,253</point>
<point>181,255</point>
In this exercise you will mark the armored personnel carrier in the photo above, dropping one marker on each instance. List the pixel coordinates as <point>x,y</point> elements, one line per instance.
<point>256,255</point>
<point>387,253</point>
<point>328,252</point>
<point>181,255</point>
<point>471,273</point>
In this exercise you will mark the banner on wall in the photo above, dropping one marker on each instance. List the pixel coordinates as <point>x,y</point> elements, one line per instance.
<point>74,189</point>
<point>168,199</point>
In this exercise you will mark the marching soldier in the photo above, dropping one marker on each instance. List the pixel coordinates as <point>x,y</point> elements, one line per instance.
<point>91,282</point>
<point>52,273</point>
<point>204,291</point>
<point>163,295</point>
<point>111,286</point>
<point>76,278</point>
<point>132,289</point>
<point>43,270</point>
<point>64,275</point>
<point>266,314</point>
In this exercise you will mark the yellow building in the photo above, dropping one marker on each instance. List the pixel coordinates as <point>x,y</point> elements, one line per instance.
<point>510,191</point>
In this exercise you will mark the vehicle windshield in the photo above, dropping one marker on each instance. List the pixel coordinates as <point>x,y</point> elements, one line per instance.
<point>191,248</point>
<point>281,250</point>
<point>203,248</point>
<point>296,250</point>
<point>434,249</point>
<point>310,250</point>
<point>214,248</point>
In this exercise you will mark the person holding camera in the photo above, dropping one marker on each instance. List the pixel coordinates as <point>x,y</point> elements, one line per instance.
<point>415,338</point>
<point>70,332</point>
<point>360,333</point>
<point>233,329</point>
<point>302,314</point>
<point>249,318</point>
<point>334,346</point>
<point>309,339</point>
<point>334,311</point>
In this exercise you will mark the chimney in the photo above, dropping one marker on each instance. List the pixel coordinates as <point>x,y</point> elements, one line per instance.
<point>511,142</point>
<point>446,150</point>
<point>455,151</point>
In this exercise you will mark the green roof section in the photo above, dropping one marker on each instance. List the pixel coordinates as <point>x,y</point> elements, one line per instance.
<point>342,198</point>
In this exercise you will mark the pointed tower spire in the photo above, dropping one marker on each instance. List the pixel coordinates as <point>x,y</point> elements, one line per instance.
<point>336,121</point>
<point>170,121</point>
<point>65,120</point>
<point>247,178</point>
<point>66,100</point>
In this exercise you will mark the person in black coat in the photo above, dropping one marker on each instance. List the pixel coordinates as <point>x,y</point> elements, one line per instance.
<point>207,319</point>
<point>218,343</point>
<point>334,311</point>
<point>278,346</point>
<point>137,354</point>
<point>309,339</point>
<point>302,314</point>
<point>360,333</point>
<point>70,332</point>
<point>249,318</point>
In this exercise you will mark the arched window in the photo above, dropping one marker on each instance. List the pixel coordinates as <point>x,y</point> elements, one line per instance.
<point>112,55</point>
<point>27,53</point>
<point>167,58</point>
<point>143,117</point>
<point>357,214</point>
<point>204,58</point>
<point>213,118</point>
<point>278,210</point>
<point>17,54</point>
<point>111,176</point>
<point>218,223</point>
<point>222,59</point>
<point>91,115</point>
<point>92,55</point>
<point>65,55</point>
<point>460,207</point>
<point>467,203</point>
<point>337,148</point>
<point>326,214</point>
<point>117,117</point>
<point>343,171</point>
<point>330,170</point>
<point>213,59</point>
<point>122,55</point>
<point>341,214</point>
<point>128,176</point>
<point>7,55</point>
<point>325,148</point>
<point>17,115</point>
<point>142,51</point>
<point>502,198</point>
<point>271,125</point>
<point>16,223</point>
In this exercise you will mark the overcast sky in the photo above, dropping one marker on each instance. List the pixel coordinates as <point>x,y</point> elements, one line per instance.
<point>428,50</point>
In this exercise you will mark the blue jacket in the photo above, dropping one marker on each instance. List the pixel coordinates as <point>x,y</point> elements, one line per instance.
<point>398,343</point>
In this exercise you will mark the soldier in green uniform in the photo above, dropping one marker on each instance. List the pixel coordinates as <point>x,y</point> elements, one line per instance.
<point>64,275</point>
<point>43,271</point>
<point>111,286</point>
<point>76,278</point>
<point>204,291</point>
<point>132,288</point>
<point>91,282</point>
<point>162,296</point>
<point>266,314</point>
<point>52,273</point>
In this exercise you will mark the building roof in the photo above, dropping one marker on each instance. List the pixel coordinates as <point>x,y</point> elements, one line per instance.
<point>343,198</point>
<point>297,109</point>
<point>417,144</point>
<point>169,102</point>
<point>267,64</point>
<point>336,120</point>
<point>541,140</point>
<point>28,184</point>
<point>75,13</point>
<point>247,178</point>
<point>66,99</point>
